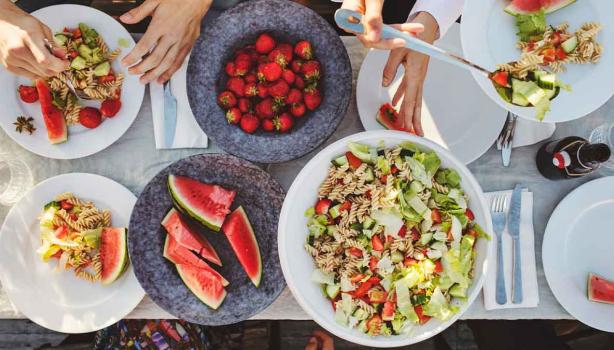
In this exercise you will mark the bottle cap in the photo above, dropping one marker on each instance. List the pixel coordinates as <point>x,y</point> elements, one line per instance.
<point>561,160</point>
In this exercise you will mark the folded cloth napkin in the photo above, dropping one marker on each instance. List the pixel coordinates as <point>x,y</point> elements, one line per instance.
<point>527,255</point>
<point>188,133</point>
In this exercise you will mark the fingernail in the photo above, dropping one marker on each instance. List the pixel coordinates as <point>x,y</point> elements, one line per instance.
<point>385,81</point>
<point>312,340</point>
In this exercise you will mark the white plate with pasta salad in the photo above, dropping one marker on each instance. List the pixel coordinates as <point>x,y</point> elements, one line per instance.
<point>491,36</point>
<point>94,43</point>
<point>53,247</point>
<point>382,238</point>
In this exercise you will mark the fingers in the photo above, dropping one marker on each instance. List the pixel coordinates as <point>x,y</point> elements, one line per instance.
<point>154,58</point>
<point>408,107</point>
<point>142,47</point>
<point>137,14</point>
<point>356,5</point>
<point>162,66</point>
<point>325,340</point>
<point>392,64</point>
<point>372,20</point>
<point>418,113</point>
<point>398,95</point>
<point>176,65</point>
<point>312,344</point>
<point>49,63</point>
<point>413,28</point>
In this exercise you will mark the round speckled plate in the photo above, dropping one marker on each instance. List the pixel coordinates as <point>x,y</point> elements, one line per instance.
<point>261,197</point>
<point>241,25</point>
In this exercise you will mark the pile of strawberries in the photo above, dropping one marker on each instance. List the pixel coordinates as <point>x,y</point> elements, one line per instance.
<point>270,84</point>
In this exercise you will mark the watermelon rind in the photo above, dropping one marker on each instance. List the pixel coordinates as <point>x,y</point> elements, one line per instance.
<point>187,209</point>
<point>591,289</point>
<point>122,259</point>
<point>514,11</point>
<point>210,301</point>
<point>228,228</point>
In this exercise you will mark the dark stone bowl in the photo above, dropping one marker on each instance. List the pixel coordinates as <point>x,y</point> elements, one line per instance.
<point>236,28</point>
<point>261,197</point>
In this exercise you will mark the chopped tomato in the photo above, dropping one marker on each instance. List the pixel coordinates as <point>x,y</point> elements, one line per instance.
<point>501,78</point>
<point>402,231</point>
<point>388,311</point>
<point>394,169</point>
<point>549,55</point>
<point>383,179</point>
<point>356,252</point>
<point>560,54</point>
<point>469,214</point>
<point>76,34</point>
<point>322,206</point>
<point>377,296</point>
<point>345,206</point>
<point>73,216</point>
<point>438,267</point>
<point>374,325</point>
<point>473,233</point>
<point>61,232</point>
<point>354,161</point>
<point>377,244</point>
<point>66,30</point>
<point>57,254</point>
<point>415,235</point>
<point>374,280</point>
<point>556,38</point>
<point>357,278</point>
<point>531,45</point>
<point>109,78</point>
<point>389,239</point>
<point>73,53</point>
<point>65,205</point>
<point>436,216</point>
<point>373,263</point>
<point>450,236</point>
<point>363,289</point>
<point>409,262</point>
<point>422,318</point>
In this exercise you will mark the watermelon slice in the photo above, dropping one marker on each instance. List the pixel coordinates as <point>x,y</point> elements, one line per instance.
<point>203,284</point>
<point>208,204</point>
<point>57,132</point>
<point>185,236</point>
<point>600,289</point>
<point>177,254</point>
<point>524,7</point>
<point>241,236</point>
<point>113,253</point>
<point>388,117</point>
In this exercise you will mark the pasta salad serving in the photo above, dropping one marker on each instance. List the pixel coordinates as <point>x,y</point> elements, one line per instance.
<point>90,74</point>
<point>80,237</point>
<point>392,238</point>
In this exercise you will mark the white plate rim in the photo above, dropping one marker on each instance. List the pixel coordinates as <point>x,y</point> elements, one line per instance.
<point>135,287</point>
<point>468,179</point>
<point>122,121</point>
<point>555,282</point>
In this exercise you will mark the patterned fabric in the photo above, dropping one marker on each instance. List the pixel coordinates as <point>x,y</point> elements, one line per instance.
<point>153,335</point>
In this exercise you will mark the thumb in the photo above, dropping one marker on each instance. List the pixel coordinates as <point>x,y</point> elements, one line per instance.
<point>312,344</point>
<point>139,13</point>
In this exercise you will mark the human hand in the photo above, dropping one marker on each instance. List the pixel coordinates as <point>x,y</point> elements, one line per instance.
<point>320,340</point>
<point>416,64</point>
<point>174,28</point>
<point>373,22</point>
<point>22,44</point>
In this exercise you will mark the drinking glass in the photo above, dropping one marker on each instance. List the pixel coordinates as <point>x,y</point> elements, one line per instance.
<point>15,179</point>
<point>605,134</point>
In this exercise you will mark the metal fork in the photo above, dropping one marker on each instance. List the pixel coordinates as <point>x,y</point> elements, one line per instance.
<point>78,93</point>
<point>498,207</point>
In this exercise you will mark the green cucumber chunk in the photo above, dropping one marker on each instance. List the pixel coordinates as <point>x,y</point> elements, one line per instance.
<point>570,44</point>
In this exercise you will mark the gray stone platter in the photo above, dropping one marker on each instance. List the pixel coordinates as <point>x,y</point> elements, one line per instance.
<point>241,25</point>
<point>261,197</point>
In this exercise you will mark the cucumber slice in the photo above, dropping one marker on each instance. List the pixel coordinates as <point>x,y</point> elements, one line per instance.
<point>339,161</point>
<point>370,176</point>
<point>505,93</point>
<point>78,63</point>
<point>368,223</point>
<point>360,151</point>
<point>330,230</point>
<point>335,211</point>
<point>546,81</point>
<point>570,44</point>
<point>333,290</point>
<point>529,90</point>
<point>551,94</point>
<point>519,100</point>
<point>60,38</point>
<point>458,291</point>
<point>102,69</point>
<point>85,52</point>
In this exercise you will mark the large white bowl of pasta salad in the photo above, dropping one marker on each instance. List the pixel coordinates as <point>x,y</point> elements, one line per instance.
<point>383,238</point>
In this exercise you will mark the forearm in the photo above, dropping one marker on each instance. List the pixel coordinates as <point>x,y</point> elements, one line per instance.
<point>8,9</point>
<point>445,12</point>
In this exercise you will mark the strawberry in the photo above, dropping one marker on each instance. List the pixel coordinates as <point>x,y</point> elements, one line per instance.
<point>297,110</point>
<point>242,55</point>
<point>236,85</point>
<point>294,96</point>
<point>231,69</point>
<point>226,100</point>
<point>265,109</point>
<point>269,71</point>
<point>299,82</point>
<point>279,89</point>
<point>268,125</point>
<point>284,122</point>
<point>251,78</point>
<point>286,49</point>
<point>28,94</point>
<point>265,43</point>
<point>90,117</point>
<point>303,50</point>
<point>251,90</point>
<point>311,70</point>
<point>263,90</point>
<point>242,66</point>
<point>312,98</point>
<point>244,105</point>
<point>233,115</point>
<point>109,108</point>
<point>296,65</point>
<point>288,76</point>
<point>282,54</point>
<point>249,123</point>
<point>322,206</point>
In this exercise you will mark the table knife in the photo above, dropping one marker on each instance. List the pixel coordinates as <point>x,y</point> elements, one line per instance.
<point>170,115</point>
<point>513,226</point>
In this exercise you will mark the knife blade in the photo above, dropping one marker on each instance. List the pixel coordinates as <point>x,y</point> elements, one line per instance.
<point>513,226</point>
<point>170,115</point>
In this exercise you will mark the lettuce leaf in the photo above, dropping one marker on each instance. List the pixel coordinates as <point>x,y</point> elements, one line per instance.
<point>439,307</point>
